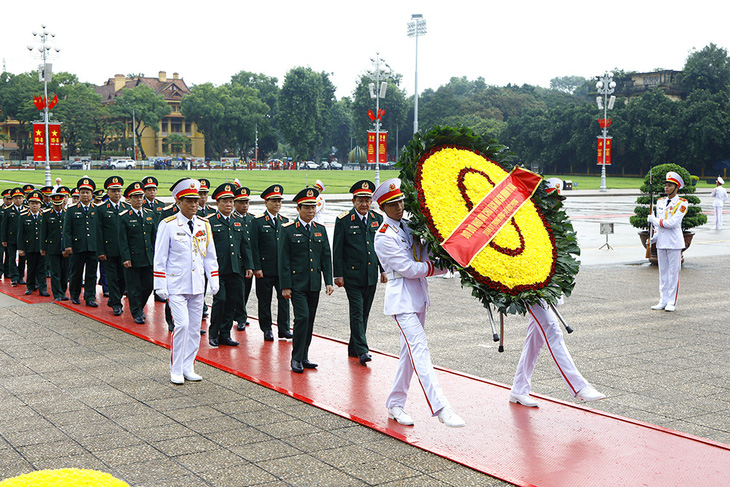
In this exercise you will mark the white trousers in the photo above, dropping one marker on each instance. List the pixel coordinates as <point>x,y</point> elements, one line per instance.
<point>415,357</point>
<point>718,217</point>
<point>544,330</point>
<point>670,261</point>
<point>187,313</point>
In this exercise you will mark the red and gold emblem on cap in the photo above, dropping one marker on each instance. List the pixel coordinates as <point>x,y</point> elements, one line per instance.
<point>276,189</point>
<point>310,193</point>
<point>365,186</point>
<point>86,181</point>
<point>192,185</point>
<point>115,180</point>
<point>392,186</point>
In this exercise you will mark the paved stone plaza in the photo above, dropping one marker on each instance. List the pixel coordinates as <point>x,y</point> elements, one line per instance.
<point>78,393</point>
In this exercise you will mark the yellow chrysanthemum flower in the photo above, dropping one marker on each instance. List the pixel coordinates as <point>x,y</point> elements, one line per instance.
<point>67,477</point>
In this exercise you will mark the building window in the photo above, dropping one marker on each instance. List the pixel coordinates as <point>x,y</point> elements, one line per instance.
<point>188,128</point>
<point>175,126</point>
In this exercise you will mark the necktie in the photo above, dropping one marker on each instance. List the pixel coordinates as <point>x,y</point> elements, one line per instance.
<point>306,225</point>
<point>190,224</point>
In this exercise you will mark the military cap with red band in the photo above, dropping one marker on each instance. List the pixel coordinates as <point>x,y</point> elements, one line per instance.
<point>114,182</point>
<point>307,196</point>
<point>388,192</point>
<point>149,182</point>
<point>35,195</point>
<point>225,190</point>
<point>136,188</point>
<point>18,192</point>
<point>204,185</point>
<point>242,194</point>
<point>274,191</point>
<point>185,188</point>
<point>47,190</point>
<point>28,188</point>
<point>86,183</point>
<point>362,188</point>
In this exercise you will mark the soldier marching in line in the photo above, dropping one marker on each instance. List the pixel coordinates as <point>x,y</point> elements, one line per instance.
<point>150,201</point>
<point>240,204</point>
<point>79,237</point>
<point>107,245</point>
<point>9,235</point>
<point>304,259</point>
<point>137,232</point>
<point>204,210</point>
<point>231,247</point>
<point>29,244</point>
<point>52,243</point>
<point>7,202</point>
<point>265,230</point>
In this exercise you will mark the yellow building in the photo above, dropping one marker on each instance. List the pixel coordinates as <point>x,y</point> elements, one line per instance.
<point>666,80</point>
<point>155,144</point>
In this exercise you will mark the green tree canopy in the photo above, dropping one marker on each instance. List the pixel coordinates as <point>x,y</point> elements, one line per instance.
<point>708,69</point>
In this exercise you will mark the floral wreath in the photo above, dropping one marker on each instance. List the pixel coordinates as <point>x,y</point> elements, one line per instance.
<point>448,170</point>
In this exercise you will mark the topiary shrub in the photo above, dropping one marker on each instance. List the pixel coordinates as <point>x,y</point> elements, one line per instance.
<point>694,216</point>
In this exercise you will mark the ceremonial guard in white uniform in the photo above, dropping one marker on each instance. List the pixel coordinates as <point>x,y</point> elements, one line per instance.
<point>669,240</point>
<point>407,265</point>
<point>319,215</point>
<point>184,256</point>
<point>719,196</point>
<point>543,330</point>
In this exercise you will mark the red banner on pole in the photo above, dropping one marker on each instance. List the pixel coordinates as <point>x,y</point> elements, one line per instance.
<point>383,147</point>
<point>604,144</point>
<point>488,217</point>
<point>54,141</point>
<point>39,141</point>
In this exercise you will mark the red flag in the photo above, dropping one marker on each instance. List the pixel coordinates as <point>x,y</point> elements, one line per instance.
<point>39,142</point>
<point>53,102</point>
<point>371,115</point>
<point>605,122</point>
<point>39,102</point>
<point>54,141</point>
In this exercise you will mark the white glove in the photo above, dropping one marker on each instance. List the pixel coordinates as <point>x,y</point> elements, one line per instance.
<point>214,290</point>
<point>162,293</point>
<point>652,219</point>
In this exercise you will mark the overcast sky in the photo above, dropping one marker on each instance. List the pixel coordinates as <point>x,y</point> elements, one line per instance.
<point>504,42</point>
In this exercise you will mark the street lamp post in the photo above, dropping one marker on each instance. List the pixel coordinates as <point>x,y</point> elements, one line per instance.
<point>605,86</point>
<point>416,27</point>
<point>377,91</point>
<point>45,74</point>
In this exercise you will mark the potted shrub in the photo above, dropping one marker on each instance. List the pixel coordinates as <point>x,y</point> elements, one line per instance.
<point>693,218</point>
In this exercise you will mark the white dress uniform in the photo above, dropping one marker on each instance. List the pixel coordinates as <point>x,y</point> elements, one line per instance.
<point>407,265</point>
<point>319,215</point>
<point>544,330</point>
<point>183,258</point>
<point>669,243</point>
<point>719,195</point>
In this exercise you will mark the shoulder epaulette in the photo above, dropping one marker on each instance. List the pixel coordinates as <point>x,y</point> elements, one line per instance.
<point>261,215</point>
<point>204,218</point>
<point>123,212</point>
<point>682,199</point>
<point>289,223</point>
<point>343,215</point>
<point>170,218</point>
<point>46,210</point>
<point>383,227</point>
<point>24,212</point>
<point>169,206</point>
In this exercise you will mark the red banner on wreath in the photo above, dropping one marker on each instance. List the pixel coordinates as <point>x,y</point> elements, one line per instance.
<point>39,141</point>
<point>488,217</point>
<point>604,143</point>
<point>383,154</point>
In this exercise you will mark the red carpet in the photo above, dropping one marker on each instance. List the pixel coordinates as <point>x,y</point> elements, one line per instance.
<point>559,444</point>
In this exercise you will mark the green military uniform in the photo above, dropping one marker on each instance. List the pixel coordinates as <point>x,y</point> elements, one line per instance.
<point>304,259</point>
<point>4,250</point>
<point>9,233</point>
<point>155,205</point>
<point>52,245</point>
<point>108,245</point>
<point>243,194</point>
<point>29,242</point>
<point>137,232</point>
<point>355,261</point>
<point>233,254</point>
<point>80,234</point>
<point>264,244</point>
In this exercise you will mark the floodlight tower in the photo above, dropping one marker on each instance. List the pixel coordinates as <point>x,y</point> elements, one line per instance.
<point>416,27</point>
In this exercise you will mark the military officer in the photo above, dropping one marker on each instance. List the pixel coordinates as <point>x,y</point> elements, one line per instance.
<point>669,240</point>
<point>184,254</point>
<point>80,237</point>
<point>29,244</point>
<point>7,201</point>
<point>719,196</point>
<point>168,211</point>
<point>9,232</point>
<point>204,209</point>
<point>408,265</point>
<point>46,191</point>
<point>52,243</point>
<point>137,232</point>
<point>74,197</point>
<point>107,246</point>
<point>150,196</point>
<point>241,199</point>
<point>231,247</point>
<point>321,203</point>
<point>356,265</point>
<point>304,259</point>
<point>99,196</point>
<point>27,188</point>
<point>265,230</point>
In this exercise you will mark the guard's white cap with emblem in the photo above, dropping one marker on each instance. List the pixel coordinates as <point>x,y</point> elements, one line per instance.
<point>185,188</point>
<point>675,178</point>
<point>388,192</point>
<point>720,180</point>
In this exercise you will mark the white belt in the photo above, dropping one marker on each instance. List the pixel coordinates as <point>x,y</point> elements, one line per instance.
<point>393,275</point>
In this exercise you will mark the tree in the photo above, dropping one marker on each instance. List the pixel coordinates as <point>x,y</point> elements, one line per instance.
<point>268,92</point>
<point>148,109</point>
<point>16,102</point>
<point>567,84</point>
<point>708,69</point>
<point>79,109</point>
<point>304,103</point>
<point>177,144</point>
<point>340,127</point>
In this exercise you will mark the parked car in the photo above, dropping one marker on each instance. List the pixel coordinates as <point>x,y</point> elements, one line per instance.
<point>311,165</point>
<point>335,165</point>
<point>74,165</point>
<point>324,165</point>
<point>123,164</point>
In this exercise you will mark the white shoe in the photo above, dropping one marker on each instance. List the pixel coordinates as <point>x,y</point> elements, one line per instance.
<point>400,415</point>
<point>670,308</point>
<point>448,416</point>
<point>659,306</point>
<point>177,379</point>
<point>525,400</point>
<point>589,393</point>
<point>192,376</point>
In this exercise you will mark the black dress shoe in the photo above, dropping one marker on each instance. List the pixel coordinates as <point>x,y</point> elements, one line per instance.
<point>57,299</point>
<point>268,336</point>
<point>365,358</point>
<point>43,293</point>
<point>14,283</point>
<point>229,342</point>
<point>241,327</point>
<point>309,365</point>
<point>21,281</point>
<point>64,298</point>
<point>117,310</point>
<point>159,299</point>
<point>171,327</point>
<point>286,334</point>
<point>106,294</point>
<point>202,332</point>
<point>75,301</point>
<point>91,304</point>
<point>297,367</point>
<point>213,342</point>
<point>28,292</point>
<point>139,320</point>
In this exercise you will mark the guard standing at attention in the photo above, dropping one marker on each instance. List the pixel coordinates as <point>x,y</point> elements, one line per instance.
<point>107,246</point>
<point>9,232</point>
<point>184,255</point>
<point>79,237</point>
<point>233,253</point>
<point>29,244</point>
<point>304,259</point>
<point>265,230</point>
<point>52,243</point>
<point>137,232</point>
<point>356,265</point>
<point>241,199</point>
